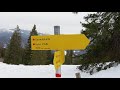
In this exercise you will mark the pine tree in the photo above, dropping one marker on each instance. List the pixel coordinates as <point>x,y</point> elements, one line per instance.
<point>103,28</point>
<point>28,52</point>
<point>36,57</point>
<point>13,53</point>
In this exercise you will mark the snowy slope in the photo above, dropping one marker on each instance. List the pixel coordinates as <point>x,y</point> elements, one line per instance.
<point>48,71</point>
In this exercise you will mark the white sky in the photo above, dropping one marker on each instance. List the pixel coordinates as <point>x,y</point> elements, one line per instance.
<point>45,21</point>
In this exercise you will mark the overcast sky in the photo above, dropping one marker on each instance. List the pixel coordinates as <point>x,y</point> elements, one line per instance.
<point>45,21</point>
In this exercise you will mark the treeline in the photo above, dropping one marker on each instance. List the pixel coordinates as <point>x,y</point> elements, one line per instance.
<point>16,54</point>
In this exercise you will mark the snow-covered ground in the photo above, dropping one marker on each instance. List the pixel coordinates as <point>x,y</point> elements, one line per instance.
<point>48,71</point>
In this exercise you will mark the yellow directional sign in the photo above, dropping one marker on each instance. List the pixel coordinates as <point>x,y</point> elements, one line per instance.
<point>59,42</point>
<point>59,59</point>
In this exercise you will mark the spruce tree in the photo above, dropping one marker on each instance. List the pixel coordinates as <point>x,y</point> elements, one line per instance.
<point>28,52</point>
<point>13,53</point>
<point>103,28</point>
<point>35,57</point>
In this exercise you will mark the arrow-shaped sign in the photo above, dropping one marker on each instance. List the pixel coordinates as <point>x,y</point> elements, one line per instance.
<point>59,42</point>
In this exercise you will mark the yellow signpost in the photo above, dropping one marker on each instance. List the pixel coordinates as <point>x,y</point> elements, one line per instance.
<point>59,42</point>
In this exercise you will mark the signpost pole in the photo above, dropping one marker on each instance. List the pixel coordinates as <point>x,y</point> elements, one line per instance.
<point>57,32</point>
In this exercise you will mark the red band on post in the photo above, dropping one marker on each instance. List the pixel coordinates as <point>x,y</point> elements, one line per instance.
<point>58,75</point>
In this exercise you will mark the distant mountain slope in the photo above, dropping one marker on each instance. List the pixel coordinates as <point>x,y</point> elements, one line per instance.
<point>5,35</point>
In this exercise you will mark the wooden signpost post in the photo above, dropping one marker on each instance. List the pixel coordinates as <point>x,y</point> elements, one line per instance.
<point>59,43</point>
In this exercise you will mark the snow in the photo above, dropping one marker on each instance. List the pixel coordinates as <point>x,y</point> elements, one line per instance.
<point>48,71</point>
<point>113,72</point>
